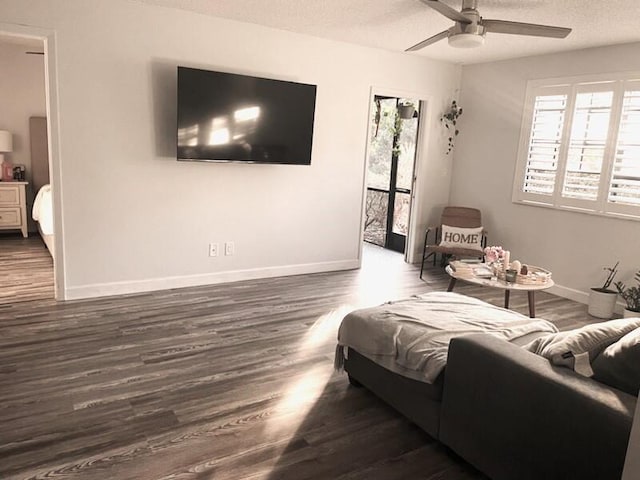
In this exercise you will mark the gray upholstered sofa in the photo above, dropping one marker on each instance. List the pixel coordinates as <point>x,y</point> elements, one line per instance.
<point>511,413</point>
<point>514,415</point>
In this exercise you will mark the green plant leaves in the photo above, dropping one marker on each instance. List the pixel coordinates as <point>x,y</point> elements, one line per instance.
<point>631,295</point>
<point>449,119</point>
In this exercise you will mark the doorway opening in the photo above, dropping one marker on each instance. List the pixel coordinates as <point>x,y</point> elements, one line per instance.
<point>27,238</point>
<point>394,127</point>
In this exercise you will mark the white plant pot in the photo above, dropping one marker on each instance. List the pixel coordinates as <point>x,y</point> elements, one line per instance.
<point>630,314</point>
<point>601,304</point>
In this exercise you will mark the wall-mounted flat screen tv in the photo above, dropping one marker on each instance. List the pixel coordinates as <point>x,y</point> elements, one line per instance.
<point>239,118</point>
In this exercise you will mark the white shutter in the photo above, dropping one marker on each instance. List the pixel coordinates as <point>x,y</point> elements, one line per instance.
<point>544,144</point>
<point>587,145</point>
<point>624,188</point>
<point>580,145</point>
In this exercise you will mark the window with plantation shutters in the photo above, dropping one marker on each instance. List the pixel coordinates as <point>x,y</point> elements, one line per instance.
<point>587,143</point>
<point>580,145</point>
<point>544,144</point>
<point>624,188</point>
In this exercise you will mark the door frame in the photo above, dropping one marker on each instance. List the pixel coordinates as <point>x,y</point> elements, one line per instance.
<point>47,36</point>
<point>425,106</point>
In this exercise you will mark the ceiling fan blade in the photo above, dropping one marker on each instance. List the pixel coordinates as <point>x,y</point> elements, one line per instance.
<point>518,28</point>
<point>428,41</point>
<point>447,11</point>
<point>34,53</point>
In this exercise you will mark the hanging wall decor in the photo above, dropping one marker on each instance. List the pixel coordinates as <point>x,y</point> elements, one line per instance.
<point>450,120</point>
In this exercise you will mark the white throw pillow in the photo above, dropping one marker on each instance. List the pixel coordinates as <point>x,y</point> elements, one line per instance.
<point>457,237</point>
<point>576,349</point>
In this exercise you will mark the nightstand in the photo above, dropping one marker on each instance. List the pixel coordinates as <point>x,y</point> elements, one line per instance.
<point>13,206</point>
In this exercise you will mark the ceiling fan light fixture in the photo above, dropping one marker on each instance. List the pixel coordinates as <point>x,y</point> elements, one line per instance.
<point>466,40</point>
<point>470,27</point>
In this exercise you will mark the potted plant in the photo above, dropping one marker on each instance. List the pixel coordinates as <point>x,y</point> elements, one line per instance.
<point>406,110</point>
<point>631,296</point>
<point>602,300</point>
<point>450,120</point>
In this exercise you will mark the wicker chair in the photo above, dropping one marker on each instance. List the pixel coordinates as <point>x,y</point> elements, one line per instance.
<point>455,217</point>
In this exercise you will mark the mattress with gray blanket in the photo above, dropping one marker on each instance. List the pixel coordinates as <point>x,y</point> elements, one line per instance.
<point>411,336</point>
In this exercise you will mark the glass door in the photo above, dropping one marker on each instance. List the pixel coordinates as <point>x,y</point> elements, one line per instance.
<point>392,152</point>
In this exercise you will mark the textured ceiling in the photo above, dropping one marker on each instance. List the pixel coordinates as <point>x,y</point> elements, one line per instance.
<point>399,24</point>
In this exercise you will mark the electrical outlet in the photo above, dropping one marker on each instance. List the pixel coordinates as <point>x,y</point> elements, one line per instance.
<point>213,249</point>
<point>229,248</point>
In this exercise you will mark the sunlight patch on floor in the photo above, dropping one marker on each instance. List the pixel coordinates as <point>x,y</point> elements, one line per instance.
<point>325,329</point>
<point>303,391</point>
<point>379,281</point>
<point>299,397</point>
<point>381,276</point>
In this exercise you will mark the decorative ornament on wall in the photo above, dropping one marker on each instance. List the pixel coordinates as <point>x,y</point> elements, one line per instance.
<point>450,119</point>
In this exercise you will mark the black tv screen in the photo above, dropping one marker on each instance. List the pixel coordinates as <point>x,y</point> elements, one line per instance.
<point>229,117</point>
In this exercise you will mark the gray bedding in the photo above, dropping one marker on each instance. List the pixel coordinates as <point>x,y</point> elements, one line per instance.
<point>411,337</point>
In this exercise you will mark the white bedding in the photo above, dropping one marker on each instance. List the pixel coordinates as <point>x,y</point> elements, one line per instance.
<point>413,335</point>
<point>43,210</point>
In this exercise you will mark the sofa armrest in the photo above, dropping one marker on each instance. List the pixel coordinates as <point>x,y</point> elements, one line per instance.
<point>514,415</point>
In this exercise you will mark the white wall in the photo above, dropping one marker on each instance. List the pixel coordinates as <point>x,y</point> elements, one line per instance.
<point>21,96</point>
<point>574,246</point>
<point>135,219</point>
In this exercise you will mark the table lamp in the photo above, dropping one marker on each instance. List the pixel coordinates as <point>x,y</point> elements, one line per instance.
<point>6,145</point>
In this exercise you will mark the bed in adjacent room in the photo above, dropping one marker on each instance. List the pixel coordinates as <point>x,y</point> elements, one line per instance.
<point>43,214</point>
<point>42,211</point>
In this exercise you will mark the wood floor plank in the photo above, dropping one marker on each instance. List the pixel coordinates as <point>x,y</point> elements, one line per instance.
<point>217,382</point>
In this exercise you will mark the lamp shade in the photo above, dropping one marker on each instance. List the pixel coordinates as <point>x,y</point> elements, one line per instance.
<point>6,141</point>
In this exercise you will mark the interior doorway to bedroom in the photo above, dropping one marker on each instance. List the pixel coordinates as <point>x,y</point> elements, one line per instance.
<point>393,136</point>
<point>26,265</point>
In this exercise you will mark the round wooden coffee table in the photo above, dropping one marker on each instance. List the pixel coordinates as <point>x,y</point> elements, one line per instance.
<point>468,276</point>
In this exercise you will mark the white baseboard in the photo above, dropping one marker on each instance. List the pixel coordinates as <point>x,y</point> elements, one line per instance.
<point>570,293</point>
<point>165,283</point>
<point>578,296</point>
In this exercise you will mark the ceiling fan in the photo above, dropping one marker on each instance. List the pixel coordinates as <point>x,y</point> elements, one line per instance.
<point>470,28</point>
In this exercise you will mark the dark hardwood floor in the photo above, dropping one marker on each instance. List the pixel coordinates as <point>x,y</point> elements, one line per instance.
<point>230,381</point>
